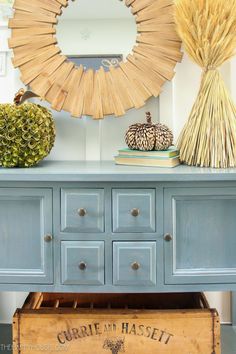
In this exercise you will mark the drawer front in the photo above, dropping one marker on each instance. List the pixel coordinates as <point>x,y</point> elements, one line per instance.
<point>82,210</point>
<point>134,263</point>
<point>82,262</point>
<point>134,210</point>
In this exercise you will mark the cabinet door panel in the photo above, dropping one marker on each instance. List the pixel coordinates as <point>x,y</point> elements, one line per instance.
<point>25,218</point>
<point>203,224</point>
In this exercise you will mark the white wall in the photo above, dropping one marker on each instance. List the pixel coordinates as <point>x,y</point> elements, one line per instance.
<point>87,140</point>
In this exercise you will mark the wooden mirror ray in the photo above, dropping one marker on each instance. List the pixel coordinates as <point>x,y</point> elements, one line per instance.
<point>87,92</point>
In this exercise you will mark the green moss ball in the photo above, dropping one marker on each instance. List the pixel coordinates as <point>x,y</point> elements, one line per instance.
<point>27,134</point>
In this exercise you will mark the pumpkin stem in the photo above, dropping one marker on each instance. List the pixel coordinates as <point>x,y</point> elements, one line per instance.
<point>18,96</point>
<point>149,117</point>
<point>22,96</point>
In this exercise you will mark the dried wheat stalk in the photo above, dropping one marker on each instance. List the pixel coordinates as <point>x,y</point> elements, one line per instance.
<point>208,31</point>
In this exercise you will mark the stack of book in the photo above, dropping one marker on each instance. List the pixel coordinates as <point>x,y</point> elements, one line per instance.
<point>167,158</point>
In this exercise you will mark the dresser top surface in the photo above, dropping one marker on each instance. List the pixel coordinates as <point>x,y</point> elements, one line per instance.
<point>107,171</point>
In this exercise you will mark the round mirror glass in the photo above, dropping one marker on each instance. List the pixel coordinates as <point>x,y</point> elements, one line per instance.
<point>96,32</point>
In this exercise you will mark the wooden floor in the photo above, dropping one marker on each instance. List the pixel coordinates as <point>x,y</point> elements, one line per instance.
<point>228,340</point>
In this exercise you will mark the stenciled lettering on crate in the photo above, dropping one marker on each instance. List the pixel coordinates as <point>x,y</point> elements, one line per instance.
<point>118,329</point>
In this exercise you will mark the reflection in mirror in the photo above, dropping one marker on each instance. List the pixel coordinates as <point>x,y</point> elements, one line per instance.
<point>96,27</point>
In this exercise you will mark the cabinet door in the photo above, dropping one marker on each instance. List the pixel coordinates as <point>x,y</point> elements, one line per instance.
<point>25,219</point>
<point>202,222</point>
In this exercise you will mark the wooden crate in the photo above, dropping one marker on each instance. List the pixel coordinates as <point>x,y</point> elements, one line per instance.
<point>116,323</point>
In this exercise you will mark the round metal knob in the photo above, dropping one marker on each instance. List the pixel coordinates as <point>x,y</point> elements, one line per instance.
<point>168,237</point>
<point>82,266</point>
<point>135,266</point>
<point>48,238</point>
<point>135,212</point>
<point>82,212</point>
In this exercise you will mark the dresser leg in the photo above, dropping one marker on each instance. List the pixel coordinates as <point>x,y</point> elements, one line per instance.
<point>233,309</point>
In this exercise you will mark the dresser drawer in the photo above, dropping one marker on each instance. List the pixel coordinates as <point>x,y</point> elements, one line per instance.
<point>134,263</point>
<point>82,210</point>
<point>82,262</point>
<point>134,210</point>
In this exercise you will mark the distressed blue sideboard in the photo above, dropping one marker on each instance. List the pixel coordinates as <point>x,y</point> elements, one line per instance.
<point>98,227</point>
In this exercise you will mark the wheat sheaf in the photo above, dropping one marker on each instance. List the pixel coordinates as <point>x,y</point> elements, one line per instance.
<point>208,31</point>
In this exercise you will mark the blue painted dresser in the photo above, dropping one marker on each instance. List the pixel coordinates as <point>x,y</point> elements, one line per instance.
<point>97,227</point>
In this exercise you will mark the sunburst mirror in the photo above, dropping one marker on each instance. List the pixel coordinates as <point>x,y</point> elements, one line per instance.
<point>85,91</point>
